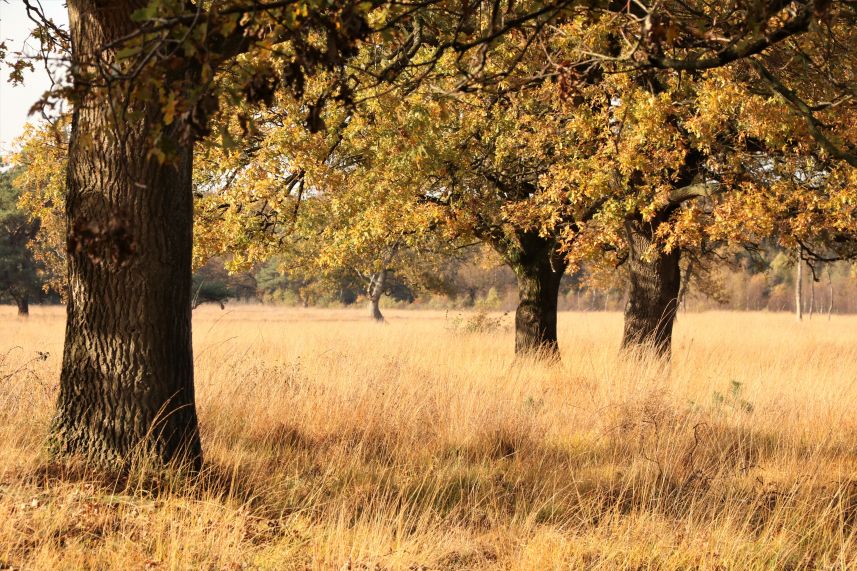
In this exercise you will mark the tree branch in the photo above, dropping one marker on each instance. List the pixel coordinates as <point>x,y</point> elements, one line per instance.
<point>691,191</point>
<point>805,111</point>
<point>798,24</point>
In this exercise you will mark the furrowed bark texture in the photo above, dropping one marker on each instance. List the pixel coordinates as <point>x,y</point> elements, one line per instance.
<point>539,270</point>
<point>653,292</point>
<point>126,385</point>
<point>655,275</point>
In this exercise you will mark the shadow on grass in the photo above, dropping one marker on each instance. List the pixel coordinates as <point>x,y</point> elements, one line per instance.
<point>639,467</point>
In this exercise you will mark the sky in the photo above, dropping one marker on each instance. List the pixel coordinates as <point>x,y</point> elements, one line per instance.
<point>15,102</point>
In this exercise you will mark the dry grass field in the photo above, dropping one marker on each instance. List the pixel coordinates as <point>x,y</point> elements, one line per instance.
<point>334,443</point>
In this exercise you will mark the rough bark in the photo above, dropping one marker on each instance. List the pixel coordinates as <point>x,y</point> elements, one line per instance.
<point>654,275</point>
<point>126,386</point>
<point>376,289</point>
<point>655,278</point>
<point>539,270</point>
<point>23,302</point>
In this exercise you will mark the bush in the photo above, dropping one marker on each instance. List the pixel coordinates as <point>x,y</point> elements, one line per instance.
<point>490,301</point>
<point>479,322</point>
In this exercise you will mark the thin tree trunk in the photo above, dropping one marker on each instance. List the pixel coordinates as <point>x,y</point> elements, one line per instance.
<point>830,293</point>
<point>23,302</point>
<point>653,293</point>
<point>539,270</point>
<point>376,289</point>
<point>811,296</point>
<point>126,385</point>
<point>378,282</point>
<point>799,286</point>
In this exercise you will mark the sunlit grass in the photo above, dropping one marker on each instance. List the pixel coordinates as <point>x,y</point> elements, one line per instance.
<point>333,442</point>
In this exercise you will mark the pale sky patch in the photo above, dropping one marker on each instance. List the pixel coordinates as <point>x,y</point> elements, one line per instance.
<point>15,102</point>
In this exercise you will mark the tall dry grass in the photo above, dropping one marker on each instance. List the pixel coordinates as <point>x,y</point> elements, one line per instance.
<point>334,443</point>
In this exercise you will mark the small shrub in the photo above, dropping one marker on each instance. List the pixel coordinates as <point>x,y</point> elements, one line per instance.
<point>732,399</point>
<point>479,322</point>
<point>490,301</point>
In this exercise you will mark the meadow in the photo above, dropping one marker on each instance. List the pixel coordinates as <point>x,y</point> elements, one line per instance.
<point>335,443</point>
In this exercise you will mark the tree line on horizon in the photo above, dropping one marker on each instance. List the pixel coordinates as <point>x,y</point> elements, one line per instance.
<point>761,281</point>
<point>376,141</point>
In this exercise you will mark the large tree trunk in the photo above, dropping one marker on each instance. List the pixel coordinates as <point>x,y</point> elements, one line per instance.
<point>653,293</point>
<point>539,270</point>
<point>126,386</point>
<point>377,283</point>
<point>23,302</point>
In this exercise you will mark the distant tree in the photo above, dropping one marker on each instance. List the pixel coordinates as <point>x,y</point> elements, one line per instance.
<point>19,271</point>
<point>319,205</point>
<point>211,284</point>
<point>40,177</point>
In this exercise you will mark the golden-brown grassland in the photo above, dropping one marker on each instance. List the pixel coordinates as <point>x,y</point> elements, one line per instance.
<point>335,443</point>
